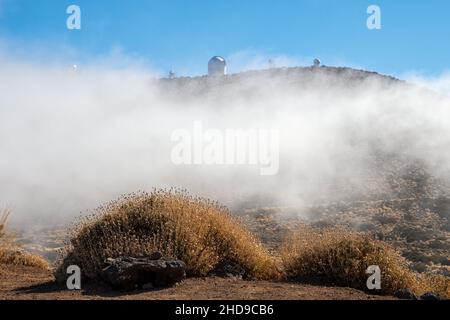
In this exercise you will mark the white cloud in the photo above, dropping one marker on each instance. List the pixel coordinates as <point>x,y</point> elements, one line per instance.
<point>439,83</point>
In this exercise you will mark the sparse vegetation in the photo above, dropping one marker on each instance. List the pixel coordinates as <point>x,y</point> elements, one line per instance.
<point>18,257</point>
<point>437,284</point>
<point>197,231</point>
<point>11,253</point>
<point>206,237</point>
<point>3,217</point>
<point>340,257</point>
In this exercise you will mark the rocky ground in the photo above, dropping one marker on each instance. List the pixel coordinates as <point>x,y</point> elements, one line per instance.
<point>402,204</point>
<point>416,228</point>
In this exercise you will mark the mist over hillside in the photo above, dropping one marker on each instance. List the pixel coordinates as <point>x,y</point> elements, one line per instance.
<point>73,140</point>
<point>367,138</point>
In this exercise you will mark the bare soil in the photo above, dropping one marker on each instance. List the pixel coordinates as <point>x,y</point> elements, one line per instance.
<point>25,283</point>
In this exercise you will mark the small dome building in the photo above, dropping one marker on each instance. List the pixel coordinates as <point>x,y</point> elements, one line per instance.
<point>217,66</point>
<point>317,62</point>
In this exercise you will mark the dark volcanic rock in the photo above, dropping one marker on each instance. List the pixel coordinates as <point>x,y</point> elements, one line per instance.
<point>140,273</point>
<point>229,269</point>
<point>406,294</point>
<point>429,296</point>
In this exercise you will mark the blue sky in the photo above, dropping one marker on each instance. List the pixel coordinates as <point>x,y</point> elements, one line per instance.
<point>183,35</point>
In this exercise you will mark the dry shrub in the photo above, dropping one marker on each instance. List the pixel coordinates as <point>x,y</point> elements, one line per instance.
<point>197,231</point>
<point>438,284</point>
<point>340,257</point>
<point>11,253</point>
<point>17,257</point>
<point>3,217</point>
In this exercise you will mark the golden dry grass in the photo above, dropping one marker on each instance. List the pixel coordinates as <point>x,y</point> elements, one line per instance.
<point>3,217</point>
<point>340,257</point>
<point>437,284</point>
<point>197,231</point>
<point>11,253</point>
<point>17,257</point>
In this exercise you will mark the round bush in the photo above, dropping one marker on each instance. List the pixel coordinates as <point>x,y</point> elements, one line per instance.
<point>341,257</point>
<point>197,231</point>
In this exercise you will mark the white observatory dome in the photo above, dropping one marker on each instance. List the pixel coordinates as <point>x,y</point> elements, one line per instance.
<point>317,62</point>
<point>217,66</point>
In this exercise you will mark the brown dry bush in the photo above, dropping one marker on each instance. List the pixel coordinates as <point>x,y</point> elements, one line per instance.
<point>438,284</point>
<point>340,257</point>
<point>3,217</point>
<point>18,257</point>
<point>197,231</point>
<point>11,253</point>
